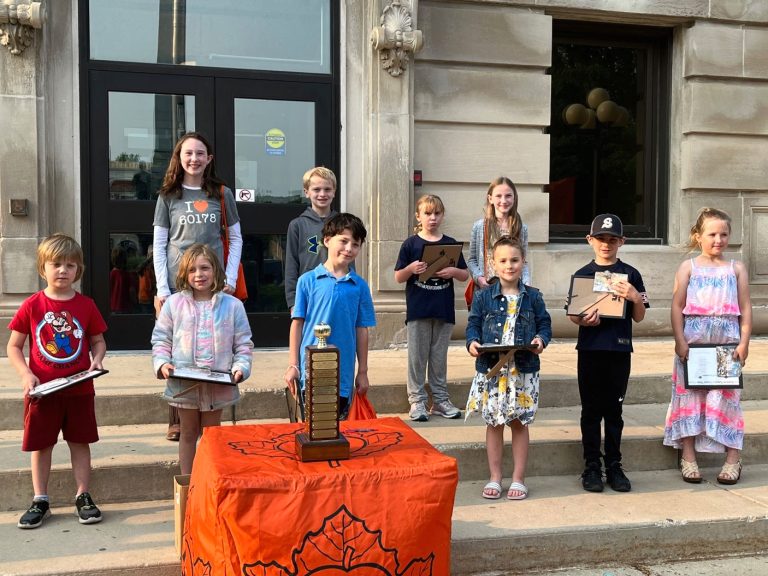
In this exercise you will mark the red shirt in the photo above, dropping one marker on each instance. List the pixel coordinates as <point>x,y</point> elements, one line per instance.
<point>60,332</point>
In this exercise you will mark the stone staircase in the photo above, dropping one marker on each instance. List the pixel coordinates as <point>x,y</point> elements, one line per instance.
<point>559,525</point>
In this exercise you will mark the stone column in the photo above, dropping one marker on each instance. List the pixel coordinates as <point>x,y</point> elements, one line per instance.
<point>20,159</point>
<point>388,159</point>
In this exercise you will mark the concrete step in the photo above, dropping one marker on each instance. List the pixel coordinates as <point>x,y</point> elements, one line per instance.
<point>130,393</point>
<point>135,462</point>
<point>117,405</point>
<point>558,526</point>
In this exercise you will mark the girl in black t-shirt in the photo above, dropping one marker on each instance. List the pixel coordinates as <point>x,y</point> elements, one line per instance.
<point>431,313</point>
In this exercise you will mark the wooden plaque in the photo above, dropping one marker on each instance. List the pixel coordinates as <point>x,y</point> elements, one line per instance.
<point>582,299</point>
<point>437,257</point>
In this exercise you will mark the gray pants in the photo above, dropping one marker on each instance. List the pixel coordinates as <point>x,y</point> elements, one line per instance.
<point>428,356</point>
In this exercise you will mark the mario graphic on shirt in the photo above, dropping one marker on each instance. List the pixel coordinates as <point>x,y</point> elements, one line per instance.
<point>59,337</point>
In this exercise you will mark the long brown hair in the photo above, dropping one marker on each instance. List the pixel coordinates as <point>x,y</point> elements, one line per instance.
<point>175,173</point>
<point>515,222</point>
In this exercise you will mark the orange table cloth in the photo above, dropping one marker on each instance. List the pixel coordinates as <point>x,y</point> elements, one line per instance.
<point>255,509</point>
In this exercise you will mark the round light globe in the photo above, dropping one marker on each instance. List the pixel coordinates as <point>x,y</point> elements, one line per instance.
<point>589,123</point>
<point>607,112</point>
<point>575,114</point>
<point>596,97</point>
<point>622,117</point>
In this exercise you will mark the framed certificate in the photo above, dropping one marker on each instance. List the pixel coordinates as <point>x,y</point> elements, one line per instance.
<point>200,374</point>
<point>711,366</point>
<point>437,257</point>
<point>583,298</point>
<point>60,383</point>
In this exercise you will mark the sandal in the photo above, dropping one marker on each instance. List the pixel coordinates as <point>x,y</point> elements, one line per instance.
<point>492,487</point>
<point>730,473</point>
<point>690,471</point>
<point>517,487</point>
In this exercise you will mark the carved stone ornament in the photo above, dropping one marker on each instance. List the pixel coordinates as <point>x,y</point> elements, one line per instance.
<point>396,37</point>
<point>17,19</point>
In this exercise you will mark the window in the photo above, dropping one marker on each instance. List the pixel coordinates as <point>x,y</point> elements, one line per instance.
<point>289,35</point>
<point>609,128</point>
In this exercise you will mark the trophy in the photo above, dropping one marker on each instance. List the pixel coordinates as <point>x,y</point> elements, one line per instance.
<point>321,439</point>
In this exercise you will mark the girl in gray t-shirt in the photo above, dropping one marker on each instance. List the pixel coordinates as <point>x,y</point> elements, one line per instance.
<point>188,211</point>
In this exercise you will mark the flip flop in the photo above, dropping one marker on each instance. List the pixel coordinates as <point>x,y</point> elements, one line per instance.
<point>517,487</point>
<point>492,486</point>
<point>730,473</point>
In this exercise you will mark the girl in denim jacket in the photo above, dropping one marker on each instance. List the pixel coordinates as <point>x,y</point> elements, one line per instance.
<point>200,326</point>
<point>507,313</point>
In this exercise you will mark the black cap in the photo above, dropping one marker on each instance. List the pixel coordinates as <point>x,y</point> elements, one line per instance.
<point>608,224</point>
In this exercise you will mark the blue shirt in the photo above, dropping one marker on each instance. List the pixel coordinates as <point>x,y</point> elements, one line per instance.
<point>344,304</point>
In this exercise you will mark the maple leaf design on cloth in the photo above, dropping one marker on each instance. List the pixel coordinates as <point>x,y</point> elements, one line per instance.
<point>343,545</point>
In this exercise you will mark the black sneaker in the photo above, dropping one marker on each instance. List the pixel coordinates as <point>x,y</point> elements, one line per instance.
<point>32,518</point>
<point>592,478</point>
<point>87,512</point>
<point>616,478</point>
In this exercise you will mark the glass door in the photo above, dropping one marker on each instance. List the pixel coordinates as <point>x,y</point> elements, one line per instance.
<point>135,120</point>
<point>268,135</point>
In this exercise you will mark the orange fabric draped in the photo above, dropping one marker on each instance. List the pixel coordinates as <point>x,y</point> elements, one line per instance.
<point>255,509</point>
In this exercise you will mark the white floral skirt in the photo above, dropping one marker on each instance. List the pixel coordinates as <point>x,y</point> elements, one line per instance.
<point>506,397</point>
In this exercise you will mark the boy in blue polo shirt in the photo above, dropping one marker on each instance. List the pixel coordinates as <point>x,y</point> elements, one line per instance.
<point>604,357</point>
<point>333,293</point>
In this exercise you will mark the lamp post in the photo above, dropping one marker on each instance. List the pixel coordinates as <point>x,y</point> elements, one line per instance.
<point>600,113</point>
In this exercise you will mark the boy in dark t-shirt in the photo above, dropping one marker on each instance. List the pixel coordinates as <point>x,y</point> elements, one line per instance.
<point>604,357</point>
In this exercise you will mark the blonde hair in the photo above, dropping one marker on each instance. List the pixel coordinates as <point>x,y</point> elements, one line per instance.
<point>56,248</point>
<point>515,222</point>
<point>703,215</point>
<point>320,172</point>
<point>428,201</point>
<point>189,257</point>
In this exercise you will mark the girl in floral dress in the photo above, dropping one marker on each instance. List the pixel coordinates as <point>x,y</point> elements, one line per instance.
<point>507,313</point>
<point>710,305</point>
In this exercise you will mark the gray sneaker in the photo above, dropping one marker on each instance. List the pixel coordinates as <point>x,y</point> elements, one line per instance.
<point>419,412</point>
<point>446,409</point>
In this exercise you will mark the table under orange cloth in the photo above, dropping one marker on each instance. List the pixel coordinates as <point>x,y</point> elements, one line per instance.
<point>255,509</point>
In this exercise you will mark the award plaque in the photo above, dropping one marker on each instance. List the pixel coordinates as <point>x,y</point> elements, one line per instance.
<point>586,295</point>
<point>321,439</point>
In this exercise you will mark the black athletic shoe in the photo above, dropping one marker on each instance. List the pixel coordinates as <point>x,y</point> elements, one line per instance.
<point>32,518</point>
<point>87,512</point>
<point>592,478</point>
<point>616,478</point>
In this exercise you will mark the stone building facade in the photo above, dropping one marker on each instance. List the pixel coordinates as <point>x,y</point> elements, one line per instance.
<point>460,91</point>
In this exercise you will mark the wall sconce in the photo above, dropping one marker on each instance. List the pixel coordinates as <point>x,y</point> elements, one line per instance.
<point>600,110</point>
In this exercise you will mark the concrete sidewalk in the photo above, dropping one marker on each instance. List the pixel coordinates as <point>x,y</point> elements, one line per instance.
<point>131,372</point>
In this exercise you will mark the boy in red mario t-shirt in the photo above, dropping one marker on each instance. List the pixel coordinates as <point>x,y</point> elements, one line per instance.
<point>65,330</point>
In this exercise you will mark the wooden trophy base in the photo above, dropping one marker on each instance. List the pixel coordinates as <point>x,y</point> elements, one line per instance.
<point>315,450</point>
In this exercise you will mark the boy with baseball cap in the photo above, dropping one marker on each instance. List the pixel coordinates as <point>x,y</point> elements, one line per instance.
<point>604,357</point>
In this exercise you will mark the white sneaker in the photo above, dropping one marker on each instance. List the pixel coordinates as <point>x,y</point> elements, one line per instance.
<point>446,409</point>
<point>419,412</point>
